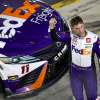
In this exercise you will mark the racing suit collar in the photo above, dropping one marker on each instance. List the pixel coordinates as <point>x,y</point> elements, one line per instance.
<point>77,36</point>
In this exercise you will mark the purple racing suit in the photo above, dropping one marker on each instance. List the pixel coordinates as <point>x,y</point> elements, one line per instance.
<point>82,71</point>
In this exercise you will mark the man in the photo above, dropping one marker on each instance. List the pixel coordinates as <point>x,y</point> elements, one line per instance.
<point>83,46</point>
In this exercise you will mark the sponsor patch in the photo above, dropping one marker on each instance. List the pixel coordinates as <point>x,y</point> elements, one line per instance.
<point>84,51</point>
<point>88,45</point>
<point>88,40</point>
<point>74,40</point>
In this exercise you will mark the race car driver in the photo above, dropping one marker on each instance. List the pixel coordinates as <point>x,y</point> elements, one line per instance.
<point>84,44</point>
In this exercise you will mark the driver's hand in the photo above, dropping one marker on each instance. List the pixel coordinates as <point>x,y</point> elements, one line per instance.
<point>52,23</point>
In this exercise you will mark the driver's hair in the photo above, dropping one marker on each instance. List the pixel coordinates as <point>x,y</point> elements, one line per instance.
<point>76,20</point>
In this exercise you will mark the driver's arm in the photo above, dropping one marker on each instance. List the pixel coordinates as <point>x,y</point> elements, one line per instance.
<point>97,47</point>
<point>61,36</point>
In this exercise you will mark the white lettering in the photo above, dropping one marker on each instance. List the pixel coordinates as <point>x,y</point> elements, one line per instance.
<point>8,30</point>
<point>43,16</point>
<point>60,53</point>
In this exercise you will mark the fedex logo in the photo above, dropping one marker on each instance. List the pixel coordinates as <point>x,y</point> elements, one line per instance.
<point>10,20</point>
<point>27,7</point>
<point>76,50</point>
<point>10,24</point>
<point>84,51</point>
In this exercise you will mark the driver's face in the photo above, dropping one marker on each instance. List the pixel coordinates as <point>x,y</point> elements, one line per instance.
<point>79,29</point>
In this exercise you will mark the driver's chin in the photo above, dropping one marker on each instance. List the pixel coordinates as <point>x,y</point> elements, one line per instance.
<point>80,35</point>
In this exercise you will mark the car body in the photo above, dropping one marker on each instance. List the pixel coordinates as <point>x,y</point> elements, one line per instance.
<point>30,60</point>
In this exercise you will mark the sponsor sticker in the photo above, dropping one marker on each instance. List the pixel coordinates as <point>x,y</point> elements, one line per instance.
<point>11,19</point>
<point>13,78</point>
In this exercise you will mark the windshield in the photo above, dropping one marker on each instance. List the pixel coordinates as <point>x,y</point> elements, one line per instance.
<point>20,59</point>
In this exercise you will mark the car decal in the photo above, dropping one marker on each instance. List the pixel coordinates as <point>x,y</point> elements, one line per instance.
<point>21,25</point>
<point>37,84</point>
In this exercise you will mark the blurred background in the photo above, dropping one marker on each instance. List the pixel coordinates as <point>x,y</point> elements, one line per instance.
<point>87,9</point>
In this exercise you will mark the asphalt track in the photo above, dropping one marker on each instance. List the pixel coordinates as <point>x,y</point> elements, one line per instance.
<point>89,10</point>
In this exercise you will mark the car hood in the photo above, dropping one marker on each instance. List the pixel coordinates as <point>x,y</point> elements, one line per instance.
<point>24,27</point>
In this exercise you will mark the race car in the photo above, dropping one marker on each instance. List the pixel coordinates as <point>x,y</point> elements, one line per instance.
<point>30,59</point>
